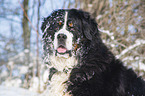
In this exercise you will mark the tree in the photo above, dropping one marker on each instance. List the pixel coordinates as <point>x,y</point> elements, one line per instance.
<point>25,24</point>
<point>26,40</point>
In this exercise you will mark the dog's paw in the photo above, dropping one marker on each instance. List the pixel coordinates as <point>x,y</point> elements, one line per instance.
<point>77,76</point>
<point>80,77</point>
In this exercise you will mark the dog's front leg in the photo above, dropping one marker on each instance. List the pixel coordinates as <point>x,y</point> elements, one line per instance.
<point>79,82</point>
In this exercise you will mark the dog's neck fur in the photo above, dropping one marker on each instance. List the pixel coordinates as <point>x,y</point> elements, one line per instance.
<point>57,82</point>
<point>62,63</point>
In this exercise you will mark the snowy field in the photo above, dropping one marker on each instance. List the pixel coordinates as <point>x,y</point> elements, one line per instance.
<point>14,91</point>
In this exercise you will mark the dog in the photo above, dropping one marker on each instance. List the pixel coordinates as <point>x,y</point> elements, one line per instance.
<point>79,62</point>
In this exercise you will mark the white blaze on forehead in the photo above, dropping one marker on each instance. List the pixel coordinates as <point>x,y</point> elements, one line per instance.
<point>65,20</point>
<point>69,35</point>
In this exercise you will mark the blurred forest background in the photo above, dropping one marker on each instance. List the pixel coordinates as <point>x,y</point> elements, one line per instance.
<point>121,23</point>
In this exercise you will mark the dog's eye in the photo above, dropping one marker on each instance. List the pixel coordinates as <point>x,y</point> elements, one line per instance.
<point>60,23</point>
<point>70,24</point>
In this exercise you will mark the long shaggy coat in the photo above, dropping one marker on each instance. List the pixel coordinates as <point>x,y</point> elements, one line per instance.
<point>96,71</point>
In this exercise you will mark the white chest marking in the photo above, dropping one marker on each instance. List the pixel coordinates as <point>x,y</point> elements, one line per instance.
<point>57,85</point>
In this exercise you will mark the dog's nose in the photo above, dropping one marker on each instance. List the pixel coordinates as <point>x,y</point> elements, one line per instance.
<point>61,36</point>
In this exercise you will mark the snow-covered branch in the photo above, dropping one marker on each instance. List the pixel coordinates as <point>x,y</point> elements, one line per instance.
<point>137,43</point>
<point>108,33</point>
<point>111,35</point>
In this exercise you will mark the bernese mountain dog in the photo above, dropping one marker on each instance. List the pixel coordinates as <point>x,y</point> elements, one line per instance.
<point>79,62</point>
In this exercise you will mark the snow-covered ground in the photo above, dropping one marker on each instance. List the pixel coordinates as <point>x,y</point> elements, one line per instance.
<point>14,91</point>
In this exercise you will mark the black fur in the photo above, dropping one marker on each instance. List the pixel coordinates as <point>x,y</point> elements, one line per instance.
<point>98,73</point>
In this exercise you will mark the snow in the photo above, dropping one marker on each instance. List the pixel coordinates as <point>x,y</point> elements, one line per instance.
<point>23,69</point>
<point>14,91</point>
<point>108,33</point>
<point>11,63</point>
<point>26,50</point>
<point>36,84</point>
<point>98,17</point>
<point>4,73</point>
<point>14,82</point>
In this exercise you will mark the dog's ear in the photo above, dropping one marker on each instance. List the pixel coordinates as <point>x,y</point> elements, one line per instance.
<point>45,23</point>
<point>86,30</point>
<point>89,26</point>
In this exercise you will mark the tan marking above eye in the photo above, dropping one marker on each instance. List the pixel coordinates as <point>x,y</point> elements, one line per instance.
<point>75,46</point>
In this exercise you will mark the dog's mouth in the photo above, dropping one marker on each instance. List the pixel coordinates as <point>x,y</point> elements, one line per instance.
<point>61,49</point>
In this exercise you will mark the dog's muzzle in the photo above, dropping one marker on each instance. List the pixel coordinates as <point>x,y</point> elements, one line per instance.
<point>61,49</point>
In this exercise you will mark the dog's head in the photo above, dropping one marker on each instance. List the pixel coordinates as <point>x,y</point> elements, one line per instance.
<point>65,30</point>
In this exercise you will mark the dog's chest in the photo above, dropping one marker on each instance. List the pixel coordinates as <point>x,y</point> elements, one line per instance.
<point>64,66</point>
